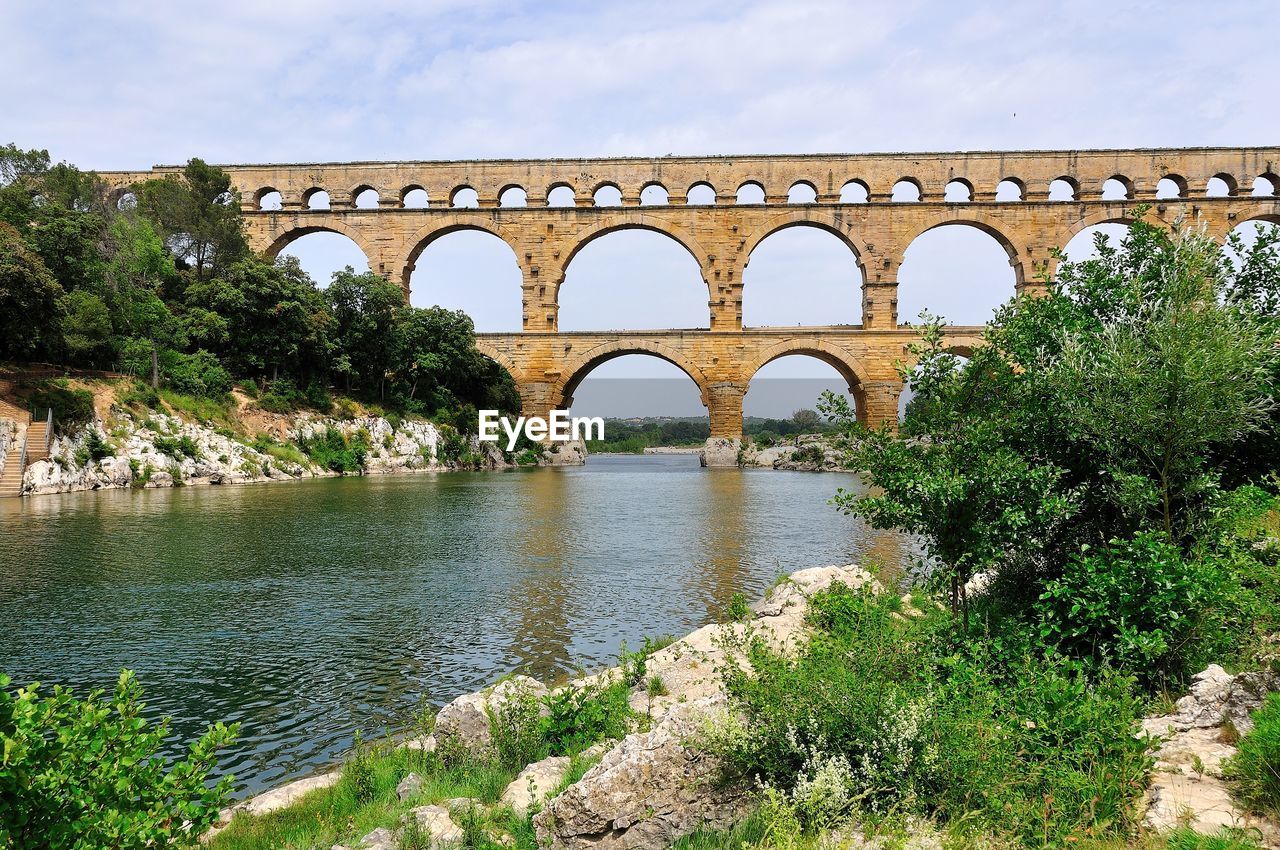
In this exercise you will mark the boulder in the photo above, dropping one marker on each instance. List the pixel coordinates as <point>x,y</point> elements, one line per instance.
<point>409,787</point>
<point>649,791</point>
<point>437,821</point>
<point>380,839</point>
<point>535,784</point>
<point>464,723</point>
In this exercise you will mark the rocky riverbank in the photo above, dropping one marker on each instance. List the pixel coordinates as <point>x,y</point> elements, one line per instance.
<point>807,453</point>
<point>124,446</point>
<point>660,781</point>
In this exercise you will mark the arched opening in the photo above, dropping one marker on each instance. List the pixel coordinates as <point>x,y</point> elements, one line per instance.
<point>414,198</point>
<point>701,194</point>
<point>127,201</point>
<point>367,199</point>
<point>906,190</point>
<point>1010,189</point>
<point>473,271</point>
<point>958,192</point>
<point>464,198</point>
<point>316,199</point>
<point>1266,186</point>
<point>630,385</point>
<point>957,271</point>
<point>854,192</point>
<point>269,199</point>
<point>654,195</point>
<point>1171,186</point>
<point>801,275</point>
<point>802,192</point>
<point>513,196</point>
<point>632,279</point>
<point>561,196</point>
<point>1084,245</point>
<point>783,387</point>
<point>1117,189</point>
<point>607,195</point>
<point>750,193</point>
<point>1063,189</point>
<point>321,253</point>
<point>1220,186</point>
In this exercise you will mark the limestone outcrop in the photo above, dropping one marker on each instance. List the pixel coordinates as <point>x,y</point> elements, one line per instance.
<point>464,723</point>
<point>650,790</point>
<point>535,784</point>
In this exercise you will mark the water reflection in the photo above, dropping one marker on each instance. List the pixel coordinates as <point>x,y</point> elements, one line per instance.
<point>311,609</point>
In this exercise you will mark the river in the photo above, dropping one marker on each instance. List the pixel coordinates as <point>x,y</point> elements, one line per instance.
<point>306,610</point>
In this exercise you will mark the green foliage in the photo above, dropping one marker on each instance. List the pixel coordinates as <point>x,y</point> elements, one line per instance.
<point>333,451</point>
<point>1256,766</point>
<point>30,297</point>
<point>358,771</point>
<point>284,452</point>
<point>95,448</point>
<point>176,447</point>
<point>516,728</point>
<point>199,374</point>
<point>907,715</point>
<point>1141,605</point>
<point>578,717</point>
<point>739,610</point>
<point>71,407</point>
<point>85,773</point>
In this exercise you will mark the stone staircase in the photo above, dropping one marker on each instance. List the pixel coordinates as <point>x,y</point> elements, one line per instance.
<point>33,436</point>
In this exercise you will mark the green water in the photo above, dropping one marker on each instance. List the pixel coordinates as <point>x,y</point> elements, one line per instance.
<point>308,610</point>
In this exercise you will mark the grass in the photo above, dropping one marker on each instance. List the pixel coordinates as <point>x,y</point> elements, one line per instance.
<point>199,408</point>
<point>283,452</point>
<point>338,815</point>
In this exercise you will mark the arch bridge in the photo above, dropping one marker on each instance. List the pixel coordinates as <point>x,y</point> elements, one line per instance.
<point>1030,202</point>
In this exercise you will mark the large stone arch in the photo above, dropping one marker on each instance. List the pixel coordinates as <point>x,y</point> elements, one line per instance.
<point>620,221</point>
<point>982,222</point>
<point>844,361</point>
<point>282,238</point>
<point>417,242</point>
<point>835,222</point>
<point>576,370</point>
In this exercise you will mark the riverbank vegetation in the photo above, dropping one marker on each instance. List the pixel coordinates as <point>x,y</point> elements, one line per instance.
<point>1096,489</point>
<point>163,286</point>
<point>633,436</point>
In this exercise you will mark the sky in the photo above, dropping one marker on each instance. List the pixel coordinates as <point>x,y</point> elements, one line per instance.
<point>125,84</point>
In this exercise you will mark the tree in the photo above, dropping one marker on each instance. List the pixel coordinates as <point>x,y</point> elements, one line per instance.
<point>86,326</point>
<point>30,298</point>
<point>806,419</point>
<point>1089,415</point>
<point>364,307</point>
<point>198,214</point>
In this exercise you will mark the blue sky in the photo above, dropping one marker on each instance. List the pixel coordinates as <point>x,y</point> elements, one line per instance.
<point>114,85</point>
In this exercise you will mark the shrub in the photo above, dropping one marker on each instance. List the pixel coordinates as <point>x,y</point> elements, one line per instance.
<point>95,448</point>
<point>333,451</point>
<point>1139,604</point>
<point>578,717</point>
<point>358,771</point>
<point>140,394</point>
<point>516,728</point>
<point>87,773</point>
<point>906,715</point>
<point>1256,767</point>
<point>71,407</point>
<point>176,447</point>
<point>199,374</point>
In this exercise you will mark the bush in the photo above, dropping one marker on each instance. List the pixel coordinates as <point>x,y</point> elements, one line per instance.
<point>176,447</point>
<point>578,717</point>
<point>71,407</point>
<point>87,773</point>
<point>199,374</point>
<point>906,715</point>
<point>335,452</point>
<point>516,729</point>
<point>95,448</point>
<point>1139,604</point>
<point>1256,767</point>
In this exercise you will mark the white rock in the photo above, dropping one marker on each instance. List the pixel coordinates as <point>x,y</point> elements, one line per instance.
<point>535,784</point>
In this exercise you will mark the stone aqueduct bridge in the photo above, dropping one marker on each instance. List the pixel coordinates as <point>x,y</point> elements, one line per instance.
<point>548,365</point>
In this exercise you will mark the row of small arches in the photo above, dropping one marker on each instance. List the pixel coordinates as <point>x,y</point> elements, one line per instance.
<point>907,189</point>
